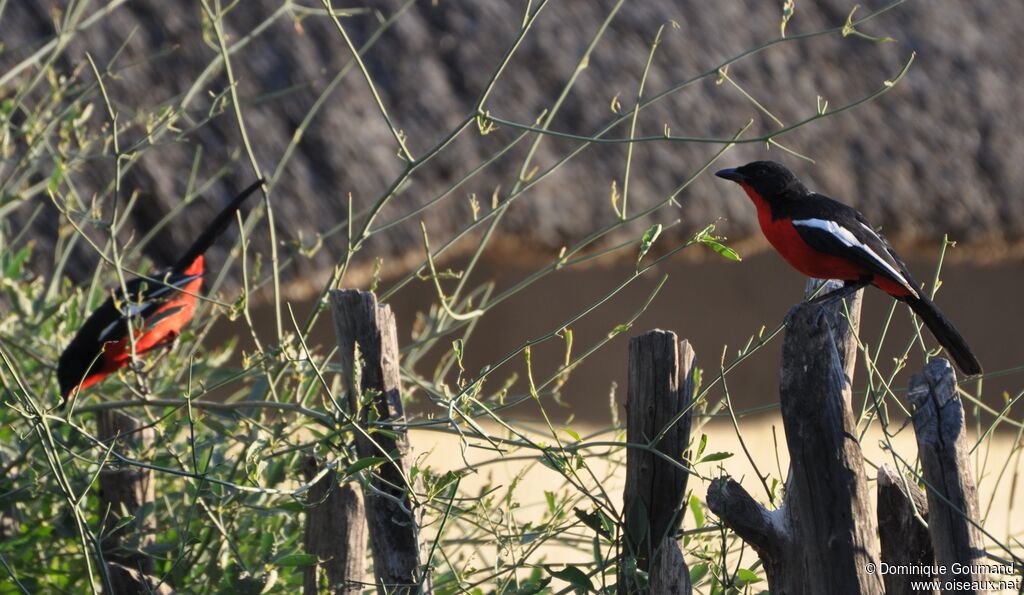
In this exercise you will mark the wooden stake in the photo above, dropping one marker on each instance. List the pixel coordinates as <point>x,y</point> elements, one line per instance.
<point>335,533</point>
<point>661,380</point>
<point>905,540</point>
<point>952,497</point>
<point>126,491</point>
<point>368,347</point>
<point>823,537</point>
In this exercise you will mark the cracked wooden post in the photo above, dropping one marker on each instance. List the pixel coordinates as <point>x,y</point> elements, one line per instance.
<point>661,370</point>
<point>938,418</point>
<point>823,536</point>
<point>904,538</point>
<point>335,534</point>
<point>368,347</point>
<point>126,490</point>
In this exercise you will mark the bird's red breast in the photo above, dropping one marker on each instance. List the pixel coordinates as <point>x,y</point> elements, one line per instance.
<point>784,237</point>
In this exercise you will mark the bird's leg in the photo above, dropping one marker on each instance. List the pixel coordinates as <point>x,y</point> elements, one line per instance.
<point>848,288</point>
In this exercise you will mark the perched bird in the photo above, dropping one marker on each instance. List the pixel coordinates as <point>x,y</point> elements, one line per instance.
<point>825,239</point>
<point>158,307</point>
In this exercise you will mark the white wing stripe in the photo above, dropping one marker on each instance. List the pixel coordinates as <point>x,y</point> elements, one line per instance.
<point>108,329</point>
<point>848,239</point>
<point>134,309</point>
<point>173,285</point>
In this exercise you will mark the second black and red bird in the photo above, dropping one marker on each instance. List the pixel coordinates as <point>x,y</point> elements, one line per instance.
<point>825,239</point>
<point>157,308</point>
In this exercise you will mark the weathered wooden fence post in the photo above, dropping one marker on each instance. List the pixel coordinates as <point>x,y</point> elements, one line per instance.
<point>938,418</point>
<point>368,347</point>
<point>335,533</point>
<point>904,538</point>
<point>127,491</point>
<point>661,370</point>
<point>823,536</point>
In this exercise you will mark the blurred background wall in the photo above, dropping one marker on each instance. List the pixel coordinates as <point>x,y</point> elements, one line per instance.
<point>939,154</point>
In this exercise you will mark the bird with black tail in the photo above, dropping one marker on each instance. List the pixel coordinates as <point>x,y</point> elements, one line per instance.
<point>825,239</point>
<point>156,308</point>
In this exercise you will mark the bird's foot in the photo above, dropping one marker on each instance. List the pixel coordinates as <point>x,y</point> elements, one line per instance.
<point>848,288</point>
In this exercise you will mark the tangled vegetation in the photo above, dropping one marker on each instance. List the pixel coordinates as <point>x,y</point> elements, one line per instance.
<point>233,426</point>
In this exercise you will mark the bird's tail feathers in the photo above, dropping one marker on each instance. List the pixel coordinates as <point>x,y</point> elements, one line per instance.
<point>215,228</point>
<point>945,333</point>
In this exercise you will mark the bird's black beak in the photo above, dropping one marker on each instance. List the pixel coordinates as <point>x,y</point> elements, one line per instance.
<point>731,174</point>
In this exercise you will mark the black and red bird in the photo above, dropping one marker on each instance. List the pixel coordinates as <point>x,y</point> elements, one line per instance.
<point>158,307</point>
<point>825,239</point>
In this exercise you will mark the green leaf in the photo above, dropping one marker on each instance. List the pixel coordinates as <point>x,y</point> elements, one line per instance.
<point>698,572</point>
<point>458,346</point>
<point>715,456</point>
<point>17,262</point>
<point>550,497</point>
<point>697,510</point>
<point>56,176</point>
<point>388,433</point>
<point>721,248</point>
<point>618,330</point>
<point>647,241</point>
<point>745,577</point>
<point>266,544</point>
<point>712,241</point>
<point>574,576</point>
<point>123,522</point>
<point>596,520</point>
<point>573,433</point>
<point>554,461</point>
<point>295,560</point>
<point>364,464</point>
<point>292,506</point>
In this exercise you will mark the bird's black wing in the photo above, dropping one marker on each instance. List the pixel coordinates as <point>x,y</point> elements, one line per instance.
<point>831,227</point>
<point>109,323</point>
<point>144,297</point>
<point>900,265</point>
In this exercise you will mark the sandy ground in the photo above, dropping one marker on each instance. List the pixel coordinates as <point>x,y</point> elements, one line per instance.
<point>997,467</point>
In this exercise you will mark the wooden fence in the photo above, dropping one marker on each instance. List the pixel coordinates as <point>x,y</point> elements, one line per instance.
<point>824,538</point>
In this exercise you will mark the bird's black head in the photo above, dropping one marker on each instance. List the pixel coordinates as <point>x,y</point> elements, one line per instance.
<point>769,179</point>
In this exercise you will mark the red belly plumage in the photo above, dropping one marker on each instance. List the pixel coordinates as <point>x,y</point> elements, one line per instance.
<point>786,240</point>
